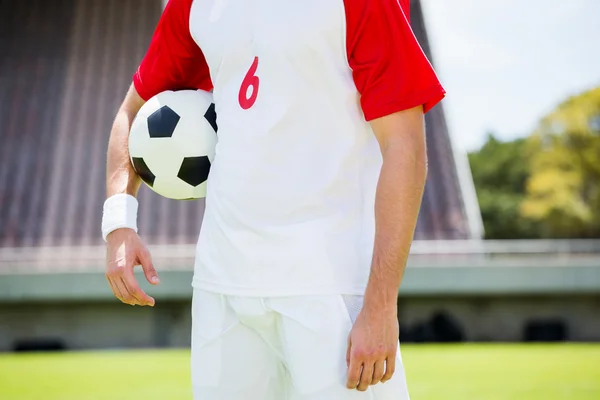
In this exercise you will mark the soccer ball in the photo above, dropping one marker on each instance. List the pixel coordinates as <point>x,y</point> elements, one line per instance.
<point>172,143</point>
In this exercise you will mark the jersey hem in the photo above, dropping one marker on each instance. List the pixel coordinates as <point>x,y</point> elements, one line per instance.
<point>288,291</point>
<point>140,88</point>
<point>427,98</point>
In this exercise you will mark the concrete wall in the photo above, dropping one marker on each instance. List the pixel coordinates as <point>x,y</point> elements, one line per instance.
<point>491,299</point>
<point>105,324</point>
<point>96,324</point>
<point>503,318</point>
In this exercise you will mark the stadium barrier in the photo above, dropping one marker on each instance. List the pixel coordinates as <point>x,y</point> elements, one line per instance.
<point>473,290</point>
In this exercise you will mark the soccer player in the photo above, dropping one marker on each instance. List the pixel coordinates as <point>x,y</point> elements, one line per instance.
<point>312,199</point>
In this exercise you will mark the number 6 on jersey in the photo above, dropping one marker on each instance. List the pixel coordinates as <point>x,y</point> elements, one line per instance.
<point>250,81</point>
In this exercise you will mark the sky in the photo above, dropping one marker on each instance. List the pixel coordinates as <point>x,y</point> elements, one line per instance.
<point>507,63</point>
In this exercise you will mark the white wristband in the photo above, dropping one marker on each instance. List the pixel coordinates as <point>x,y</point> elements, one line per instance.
<point>120,211</point>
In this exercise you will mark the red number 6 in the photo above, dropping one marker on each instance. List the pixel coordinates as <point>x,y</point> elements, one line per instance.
<point>250,80</point>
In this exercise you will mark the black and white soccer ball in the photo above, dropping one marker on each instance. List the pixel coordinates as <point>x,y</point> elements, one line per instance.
<point>172,143</point>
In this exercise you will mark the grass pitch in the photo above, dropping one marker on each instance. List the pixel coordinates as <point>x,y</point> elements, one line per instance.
<point>434,372</point>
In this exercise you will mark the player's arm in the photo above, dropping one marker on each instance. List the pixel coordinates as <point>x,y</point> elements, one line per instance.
<point>172,62</point>
<point>397,85</point>
<point>120,175</point>
<point>401,138</point>
<point>125,248</point>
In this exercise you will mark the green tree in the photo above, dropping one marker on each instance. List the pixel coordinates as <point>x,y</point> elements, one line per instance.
<point>563,191</point>
<point>500,173</point>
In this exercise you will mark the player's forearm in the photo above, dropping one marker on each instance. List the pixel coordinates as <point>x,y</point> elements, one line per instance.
<point>398,199</point>
<point>120,175</point>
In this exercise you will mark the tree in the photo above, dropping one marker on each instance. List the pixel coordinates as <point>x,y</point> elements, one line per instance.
<point>563,191</point>
<point>500,172</point>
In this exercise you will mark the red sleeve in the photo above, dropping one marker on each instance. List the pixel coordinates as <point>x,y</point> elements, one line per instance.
<point>174,61</point>
<point>390,70</point>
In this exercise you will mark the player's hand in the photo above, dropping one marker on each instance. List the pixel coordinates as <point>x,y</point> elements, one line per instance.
<point>372,347</point>
<point>125,249</point>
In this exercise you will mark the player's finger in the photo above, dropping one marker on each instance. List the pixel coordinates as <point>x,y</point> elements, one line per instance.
<point>124,295</point>
<point>114,288</point>
<point>366,376</point>
<point>131,298</point>
<point>378,372</point>
<point>148,267</point>
<point>134,289</point>
<point>390,367</point>
<point>353,373</point>
<point>124,279</point>
<point>348,351</point>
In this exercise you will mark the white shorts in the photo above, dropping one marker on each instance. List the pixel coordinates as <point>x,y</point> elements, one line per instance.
<point>277,348</point>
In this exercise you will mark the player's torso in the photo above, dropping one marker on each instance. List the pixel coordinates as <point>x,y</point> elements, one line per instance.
<point>288,39</point>
<point>282,85</point>
<point>273,60</point>
<point>296,164</point>
<point>231,33</point>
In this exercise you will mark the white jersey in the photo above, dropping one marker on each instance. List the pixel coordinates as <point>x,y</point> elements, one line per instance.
<point>291,192</point>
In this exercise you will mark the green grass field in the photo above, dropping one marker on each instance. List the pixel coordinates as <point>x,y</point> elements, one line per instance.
<point>435,372</point>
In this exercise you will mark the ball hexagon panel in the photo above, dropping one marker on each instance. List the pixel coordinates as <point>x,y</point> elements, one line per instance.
<point>194,170</point>
<point>199,191</point>
<point>174,188</point>
<point>162,156</point>
<point>194,134</point>
<point>162,122</point>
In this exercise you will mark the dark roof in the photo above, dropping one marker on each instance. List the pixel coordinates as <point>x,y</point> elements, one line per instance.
<point>65,66</point>
<point>443,214</point>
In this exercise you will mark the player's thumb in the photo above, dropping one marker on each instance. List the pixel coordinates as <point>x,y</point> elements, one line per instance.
<point>148,267</point>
